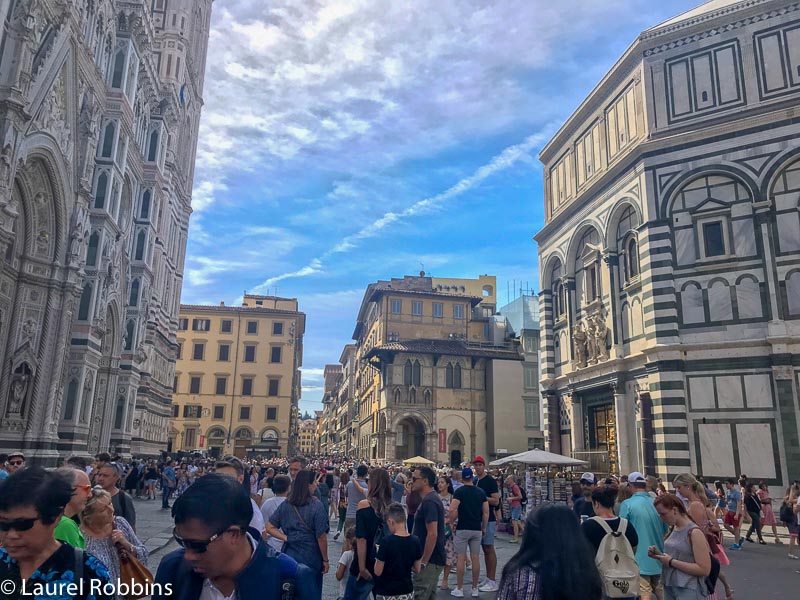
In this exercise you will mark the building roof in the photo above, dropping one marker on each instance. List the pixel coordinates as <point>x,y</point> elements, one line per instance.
<point>707,10</point>
<point>449,347</point>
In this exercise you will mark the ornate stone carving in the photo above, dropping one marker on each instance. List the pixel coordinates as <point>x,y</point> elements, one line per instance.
<point>579,342</point>
<point>53,116</point>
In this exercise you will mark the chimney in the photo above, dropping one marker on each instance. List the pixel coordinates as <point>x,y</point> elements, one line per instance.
<point>222,304</point>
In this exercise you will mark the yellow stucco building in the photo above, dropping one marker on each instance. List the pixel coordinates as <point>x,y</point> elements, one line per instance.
<point>237,380</point>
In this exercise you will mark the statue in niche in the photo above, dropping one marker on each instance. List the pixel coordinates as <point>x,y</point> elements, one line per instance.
<point>19,387</point>
<point>28,331</point>
<point>599,335</point>
<point>579,342</point>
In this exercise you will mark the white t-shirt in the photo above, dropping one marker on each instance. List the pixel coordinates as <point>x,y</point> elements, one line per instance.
<point>267,510</point>
<point>257,522</point>
<point>345,559</point>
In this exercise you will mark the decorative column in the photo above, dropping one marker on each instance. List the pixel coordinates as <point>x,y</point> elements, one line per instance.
<point>611,259</point>
<point>553,422</point>
<point>625,423</point>
<point>571,310</point>
<point>576,424</point>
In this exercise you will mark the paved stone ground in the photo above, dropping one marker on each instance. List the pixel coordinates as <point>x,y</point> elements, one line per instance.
<point>756,572</point>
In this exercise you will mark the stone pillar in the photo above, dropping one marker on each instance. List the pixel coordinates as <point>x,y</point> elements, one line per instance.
<point>612,278</point>
<point>571,311</point>
<point>553,418</point>
<point>626,423</point>
<point>576,425</point>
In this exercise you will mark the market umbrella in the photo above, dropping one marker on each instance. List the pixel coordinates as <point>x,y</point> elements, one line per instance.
<point>417,460</point>
<point>540,457</point>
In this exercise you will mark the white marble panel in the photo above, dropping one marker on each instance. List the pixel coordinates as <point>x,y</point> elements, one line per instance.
<point>701,392</point>
<point>744,238</point>
<point>716,442</point>
<point>679,84</point>
<point>772,63</point>
<point>719,302</point>
<point>793,293</point>
<point>748,299</point>
<point>789,232</point>
<point>793,180</point>
<point>701,71</point>
<point>793,51</point>
<point>758,392</point>
<point>729,392</point>
<point>756,454</point>
<point>684,246</point>
<point>785,201</point>
<point>727,70</point>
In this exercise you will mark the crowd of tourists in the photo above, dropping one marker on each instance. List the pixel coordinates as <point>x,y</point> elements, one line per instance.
<point>260,530</point>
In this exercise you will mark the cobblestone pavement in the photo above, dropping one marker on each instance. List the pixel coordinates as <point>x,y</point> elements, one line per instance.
<point>756,572</point>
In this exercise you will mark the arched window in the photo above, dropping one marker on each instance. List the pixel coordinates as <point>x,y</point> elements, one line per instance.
<point>129,333</point>
<point>119,70</point>
<point>457,377</point>
<point>417,374</point>
<point>108,141</point>
<point>427,397</point>
<point>134,299</point>
<point>408,373</point>
<point>397,396</point>
<point>85,304</point>
<point>558,293</point>
<point>101,191</point>
<point>412,396</point>
<point>140,240</point>
<point>144,213</point>
<point>91,252</point>
<point>448,376</point>
<point>152,151</point>
<point>631,258</point>
<point>72,399</point>
<point>119,414</point>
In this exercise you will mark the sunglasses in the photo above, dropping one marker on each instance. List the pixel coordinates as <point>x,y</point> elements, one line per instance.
<point>16,463</point>
<point>18,524</point>
<point>197,546</point>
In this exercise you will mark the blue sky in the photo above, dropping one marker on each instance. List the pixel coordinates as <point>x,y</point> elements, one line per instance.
<point>348,141</point>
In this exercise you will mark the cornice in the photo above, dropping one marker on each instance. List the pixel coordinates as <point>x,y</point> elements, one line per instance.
<point>702,18</point>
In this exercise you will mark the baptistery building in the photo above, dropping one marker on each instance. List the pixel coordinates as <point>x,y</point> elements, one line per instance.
<point>99,109</point>
<point>670,255</point>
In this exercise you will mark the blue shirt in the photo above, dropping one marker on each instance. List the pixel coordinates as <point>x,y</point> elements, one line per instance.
<point>3,474</point>
<point>733,498</point>
<point>639,510</point>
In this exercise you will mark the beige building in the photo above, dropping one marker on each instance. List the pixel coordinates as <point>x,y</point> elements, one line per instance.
<point>237,381</point>
<point>424,349</point>
<point>307,437</point>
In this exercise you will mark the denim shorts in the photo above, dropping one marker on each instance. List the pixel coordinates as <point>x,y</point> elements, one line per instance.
<point>516,513</point>
<point>491,529</point>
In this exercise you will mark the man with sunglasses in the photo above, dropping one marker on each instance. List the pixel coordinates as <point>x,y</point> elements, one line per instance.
<point>220,555</point>
<point>67,529</point>
<point>16,462</point>
<point>32,502</point>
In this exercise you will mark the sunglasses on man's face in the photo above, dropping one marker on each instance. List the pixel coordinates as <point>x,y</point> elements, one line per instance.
<point>197,546</point>
<point>16,463</point>
<point>18,524</point>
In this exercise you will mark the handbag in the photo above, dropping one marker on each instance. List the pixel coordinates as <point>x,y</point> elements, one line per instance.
<point>786,514</point>
<point>137,578</point>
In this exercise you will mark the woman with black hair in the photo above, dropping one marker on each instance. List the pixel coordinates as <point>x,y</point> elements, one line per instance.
<point>554,562</point>
<point>301,522</point>
<point>31,504</point>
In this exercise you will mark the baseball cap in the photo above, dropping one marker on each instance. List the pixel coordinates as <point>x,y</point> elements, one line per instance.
<point>636,477</point>
<point>589,477</point>
<point>16,454</point>
<point>478,459</point>
<point>467,473</point>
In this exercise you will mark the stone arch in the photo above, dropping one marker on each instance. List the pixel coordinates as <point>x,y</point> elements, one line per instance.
<point>720,305</point>
<point>577,236</point>
<point>792,284</point>
<point>748,297</point>
<point>730,171</point>
<point>548,266</point>
<point>614,219</point>
<point>777,165</point>
<point>410,436</point>
<point>691,303</point>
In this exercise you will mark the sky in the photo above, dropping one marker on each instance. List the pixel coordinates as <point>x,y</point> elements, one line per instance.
<point>347,141</point>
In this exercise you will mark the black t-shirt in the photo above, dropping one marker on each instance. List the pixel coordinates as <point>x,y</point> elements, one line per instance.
<point>489,487</point>
<point>367,523</point>
<point>470,507</point>
<point>752,503</point>
<point>431,510</point>
<point>595,533</point>
<point>398,555</point>
<point>583,506</point>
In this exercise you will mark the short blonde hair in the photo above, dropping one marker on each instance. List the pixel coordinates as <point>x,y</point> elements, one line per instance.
<point>89,510</point>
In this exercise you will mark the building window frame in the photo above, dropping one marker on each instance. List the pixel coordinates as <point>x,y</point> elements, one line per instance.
<point>416,308</point>
<point>195,389</point>
<point>201,325</point>
<point>202,353</point>
<point>247,385</point>
<point>221,383</point>
<point>701,228</point>
<point>227,347</point>
<point>272,356</point>
<point>277,328</point>
<point>397,307</point>
<point>215,410</point>
<point>267,413</point>
<point>249,414</point>
<point>273,387</point>
<point>251,328</point>
<point>247,358</point>
<point>458,312</point>
<point>226,326</point>
<point>438,310</point>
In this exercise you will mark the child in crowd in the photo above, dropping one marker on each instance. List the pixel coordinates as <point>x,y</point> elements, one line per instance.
<point>345,560</point>
<point>396,556</point>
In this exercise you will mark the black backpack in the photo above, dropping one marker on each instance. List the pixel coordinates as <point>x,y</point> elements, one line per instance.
<point>786,514</point>
<point>380,534</point>
<point>524,501</point>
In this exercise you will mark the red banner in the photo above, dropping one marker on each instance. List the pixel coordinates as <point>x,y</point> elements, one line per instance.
<point>202,440</point>
<point>443,440</point>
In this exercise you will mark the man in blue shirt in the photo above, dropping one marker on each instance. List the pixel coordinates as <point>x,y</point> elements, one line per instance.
<point>169,482</point>
<point>733,513</point>
<point>641,513</point>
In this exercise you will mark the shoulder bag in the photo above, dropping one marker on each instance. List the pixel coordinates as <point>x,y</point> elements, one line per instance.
<point>138,578</point>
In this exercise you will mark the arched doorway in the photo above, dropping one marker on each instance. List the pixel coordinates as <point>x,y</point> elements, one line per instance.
<point>216,441</point>
<point>456,447</point>
<point>410,438</point>
<point>242,439</point>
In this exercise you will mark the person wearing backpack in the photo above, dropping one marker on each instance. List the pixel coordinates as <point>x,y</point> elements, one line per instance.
<point>614,541</point>
<point>515,503</point>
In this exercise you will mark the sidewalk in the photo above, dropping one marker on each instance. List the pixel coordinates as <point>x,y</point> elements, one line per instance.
<point>153,525</point>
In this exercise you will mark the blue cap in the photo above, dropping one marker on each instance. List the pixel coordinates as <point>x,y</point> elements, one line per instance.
<point>467,473</point>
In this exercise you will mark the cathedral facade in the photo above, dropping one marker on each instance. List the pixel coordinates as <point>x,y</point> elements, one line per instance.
<point>99,111</point>
<point>670,256</point>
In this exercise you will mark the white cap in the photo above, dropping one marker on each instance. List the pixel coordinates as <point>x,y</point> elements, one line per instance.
<point>589,477</point>
<point>636,477</point>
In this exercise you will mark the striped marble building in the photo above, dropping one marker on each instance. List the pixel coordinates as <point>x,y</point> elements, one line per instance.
<point>670,256</point>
